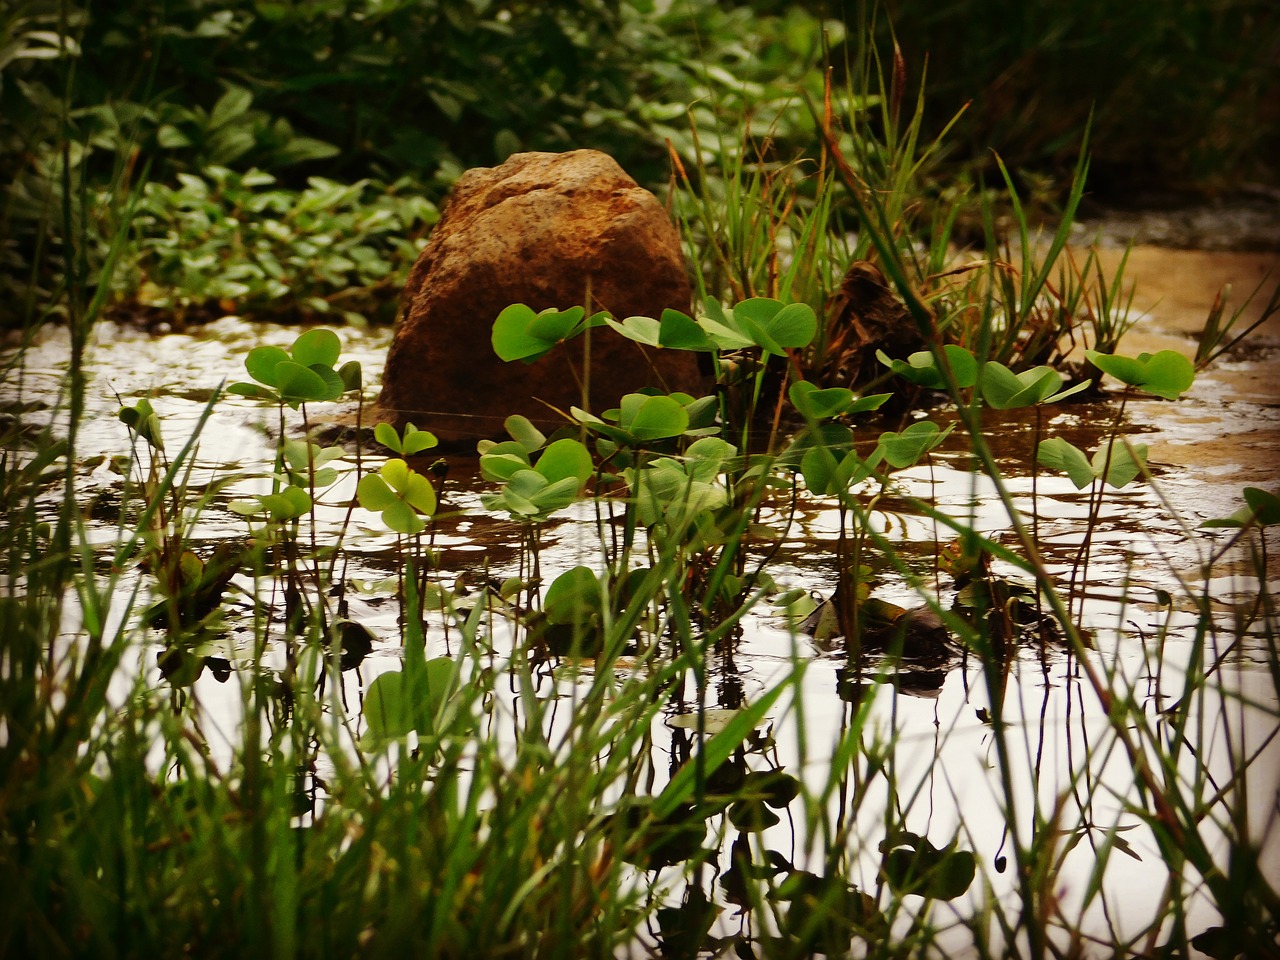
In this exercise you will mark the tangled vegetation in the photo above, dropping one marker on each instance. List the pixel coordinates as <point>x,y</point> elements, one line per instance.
<point>259,706</point>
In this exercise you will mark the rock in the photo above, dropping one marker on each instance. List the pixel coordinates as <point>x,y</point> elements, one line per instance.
<point>546,230</point>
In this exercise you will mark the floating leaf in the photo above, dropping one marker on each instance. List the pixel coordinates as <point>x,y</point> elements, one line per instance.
<point>574,597</point>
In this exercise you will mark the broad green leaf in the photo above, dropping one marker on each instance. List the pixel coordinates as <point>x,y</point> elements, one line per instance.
<point>552,326</point>
<point>1260,507</point>
<point>415,440</point>
<point>401,702</point>
<point>1265,505</point>
<point>645,330</point>
<point>253,390</point>
<point>1123,468</point>
<point>921,368</point>
<point>262,361</point>
<point>1005,390</point>
<point>502,460</point>
<point>723,336</point>
<point>373,493</point>
<point>819,404</point>
<point>1058,454</point>
<point>386,435</point>
<point>872,401</point>
<point>557,495</point>
<point>320,346</point>
<point>1165,374</point>
<point>230,105</point>
<point>512,339</point>
<point>657,419</point>
<point>679,331</point>
<point>794,325</point>
<point>299,383</point>
<point>141,418</point>
<point>403,519</point>
<point>352,375</point>
<point>289,504</point>
<point>412,487</point>
<point>573,597</point>
<point>706,457</point>
<point>523,432</point>
<point>566,458</point>
<point>906,448</point>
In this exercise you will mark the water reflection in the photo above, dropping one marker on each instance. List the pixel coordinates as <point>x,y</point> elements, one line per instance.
<point>878,768</point>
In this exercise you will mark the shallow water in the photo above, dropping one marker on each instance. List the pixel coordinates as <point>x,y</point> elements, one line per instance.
<point>1224,435</point>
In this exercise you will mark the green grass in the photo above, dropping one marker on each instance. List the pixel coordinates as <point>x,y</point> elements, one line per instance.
<point>605,740</point>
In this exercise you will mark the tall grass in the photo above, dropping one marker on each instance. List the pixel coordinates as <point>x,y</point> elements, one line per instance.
<point>646,785</point>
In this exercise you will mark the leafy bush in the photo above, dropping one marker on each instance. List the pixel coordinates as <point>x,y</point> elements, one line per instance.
<point>378,90</point>
<point>239,243</point>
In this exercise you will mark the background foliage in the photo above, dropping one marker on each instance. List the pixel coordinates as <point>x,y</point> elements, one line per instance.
<point>412,92</point>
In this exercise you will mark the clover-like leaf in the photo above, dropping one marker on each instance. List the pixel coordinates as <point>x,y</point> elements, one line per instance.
<point>566,458</point>
<point>520,334</point>
<point>655,418</point>
<point>907,447</point>
<point>500,461</point>
<point>396,705</point>
<point>1058,454</point>
<point>1005,390</point>
<point>922,368</point>
<point>814,403</point>
<point>679,331</point>
<point>318,346</point>
<point>913,865</point>
<point>1121,466</point>
<point>289,503</point>
<point>413,441</point>
<point>142,420</point>
<point>262,362</point>
<point>1166,374</point>
<point>1260,507</point>
<point>400,494</point>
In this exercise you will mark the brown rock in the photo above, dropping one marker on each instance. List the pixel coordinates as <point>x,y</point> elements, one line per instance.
<point>546,230</point>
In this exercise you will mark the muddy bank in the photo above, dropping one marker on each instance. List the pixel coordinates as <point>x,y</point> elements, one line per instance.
<point>1225,434</point>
